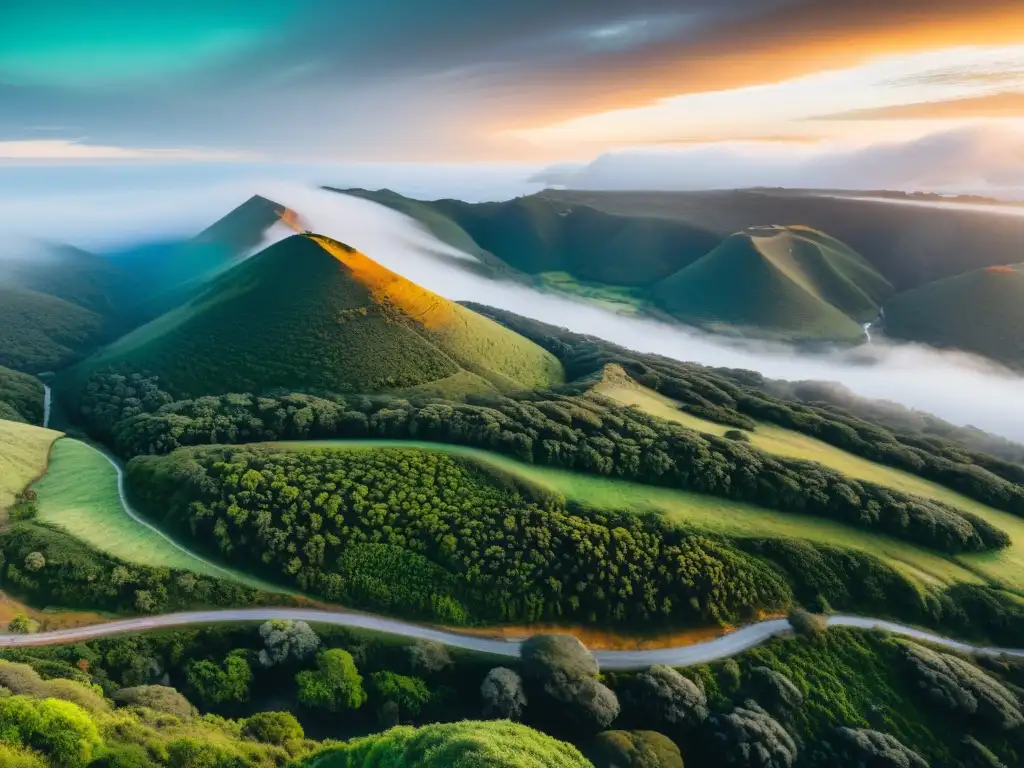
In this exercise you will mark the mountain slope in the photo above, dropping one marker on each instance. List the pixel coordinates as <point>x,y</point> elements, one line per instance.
<point>21,397</point>
<point>785,282</point>
<point>171,273</point>
<point>312,314</point>
<point>43,333</point>
<point>536,236</point>
<point>76,276</point>
<point>980,312</point>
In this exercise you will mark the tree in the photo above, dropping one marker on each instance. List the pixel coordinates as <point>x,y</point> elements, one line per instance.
<point>286,641</point>
<point>428,657</point>
<point>34,561</point>
<point>546,656</point>
<point>856,747</point>
<point>778,692</point>
<point>503,695</point>
<point>272,728</point>
<point>335,685</point>
<point>807,624</point>
<point>664,699</point>
<point>223,683</point>
<point>410,694</point>
<point>635,749</point>
<point>21,625</point>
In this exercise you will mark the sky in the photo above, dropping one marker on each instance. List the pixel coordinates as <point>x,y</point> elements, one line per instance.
<point>464,81</point>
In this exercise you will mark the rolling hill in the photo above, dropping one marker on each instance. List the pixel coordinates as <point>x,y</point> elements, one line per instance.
<point>534,235</point>
<point>310,313</point>
<point>792,283</point>
<point>168,274</point>
<point>910,245</point>
<point>21,397</point>
<point>980,312</point>
<point>39,332</point>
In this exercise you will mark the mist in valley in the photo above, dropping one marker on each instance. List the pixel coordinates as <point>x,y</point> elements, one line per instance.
<point>956,387</point>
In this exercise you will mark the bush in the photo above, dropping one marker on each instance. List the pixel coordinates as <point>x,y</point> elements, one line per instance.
<point>428,657</point>
<point>662,698</point>
<point>278,728</point>
<point>738,435</point>
<point>750,737</point>
<point>408,694</point>
<point>807,624</point>
<point>504,697</point>
<point>62,731</point>
<point>494,744</point>
<point>225,683</point>
<point>855,747</point>
<point>160,698</point>
<point>635,749</point>
<point>335,685</point>
<point>958,686</point>
<point>21,625</point>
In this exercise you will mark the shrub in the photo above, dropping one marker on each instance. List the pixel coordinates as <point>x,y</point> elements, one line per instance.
<point>272,728</point>
<point>662,698</point>
<point>750,737</point>
<point>635,749</point>
<point>335,684</point>
<point>504,697</point>
<point>157,697</point>
<point>286,641</point>
<point>807,624</point>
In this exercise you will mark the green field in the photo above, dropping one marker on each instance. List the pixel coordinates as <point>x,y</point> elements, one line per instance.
<point>620,299</point>
<point>708,512</point>
<point>1006,566</point>
<point>23,452</point>
<point>79,494</point>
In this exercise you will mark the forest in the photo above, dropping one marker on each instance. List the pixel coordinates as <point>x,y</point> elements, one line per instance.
<point>563,430</point>
<point>266,694</point>
<point>428,535</point>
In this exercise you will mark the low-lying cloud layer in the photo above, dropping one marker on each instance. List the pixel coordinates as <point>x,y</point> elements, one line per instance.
<point>955,387</point>
<point>969,158</point>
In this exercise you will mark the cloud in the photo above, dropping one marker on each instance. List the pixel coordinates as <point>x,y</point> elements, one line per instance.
<point>969,158</point>
<point>61,149</point>
<point>994,105</point>
<point>402,79</point>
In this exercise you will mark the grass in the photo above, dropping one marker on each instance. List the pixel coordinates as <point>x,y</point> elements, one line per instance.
<point>1005,566</point>
<point>620,299</point>
<point>79,495</point>
<point>23,453</point>
<point>706,512</point>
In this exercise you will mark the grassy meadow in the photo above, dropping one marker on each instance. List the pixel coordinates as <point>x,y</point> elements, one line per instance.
<point>79,494</point>
<point>1006,566</point>
<point>23,452</point>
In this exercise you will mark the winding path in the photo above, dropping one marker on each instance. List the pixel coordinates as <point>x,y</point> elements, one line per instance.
<point>47,401</point>
<point>699,653</point>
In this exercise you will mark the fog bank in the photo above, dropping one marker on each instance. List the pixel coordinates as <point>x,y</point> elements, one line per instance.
<point>957,388</point>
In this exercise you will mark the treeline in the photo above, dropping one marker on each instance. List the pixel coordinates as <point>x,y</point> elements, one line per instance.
<point>428,535</point>
<point>568,431</point>
<point>21,397</point>
<point>48,567</point>
<point>737,397</point>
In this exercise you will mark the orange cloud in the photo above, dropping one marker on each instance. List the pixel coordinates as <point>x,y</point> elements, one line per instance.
<point>996,105</point>
<point>782,44</point>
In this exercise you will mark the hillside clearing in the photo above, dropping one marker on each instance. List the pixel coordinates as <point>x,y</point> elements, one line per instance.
<point>23,452</point>
<point>707,512</point>
<point>1006,566</point>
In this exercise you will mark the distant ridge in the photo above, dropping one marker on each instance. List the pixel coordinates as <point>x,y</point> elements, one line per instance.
<point>792,283</point>
<point>310,313</point>
<point>980,312</point>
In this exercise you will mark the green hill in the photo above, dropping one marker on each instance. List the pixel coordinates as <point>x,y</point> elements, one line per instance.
<point>168,274</point>
<point>312,314</point>
<point>980,312</point>
<point>43,333</point>
<point>76,276</point>
<point>535,235</point>
<point>21,397</point>
<point>791,283</point>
